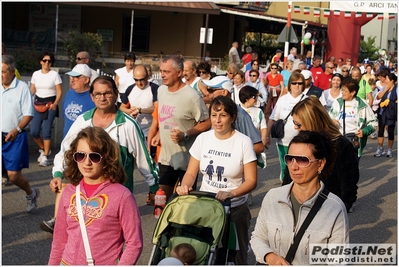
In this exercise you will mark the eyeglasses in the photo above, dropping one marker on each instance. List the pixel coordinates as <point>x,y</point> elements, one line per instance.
<point>254,75</point>
<point>80,58</point>
<point>273,68</point>
<point>140,80</point>
<point>80,156</point>
<point>298,125</point>
<point>204,72</point>
<point>296,83</point>
<point>301,161</point>
<point>108,94</point>
<point>47,60</point>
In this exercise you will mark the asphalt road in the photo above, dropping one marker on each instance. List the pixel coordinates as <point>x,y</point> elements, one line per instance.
<point>374,219</point>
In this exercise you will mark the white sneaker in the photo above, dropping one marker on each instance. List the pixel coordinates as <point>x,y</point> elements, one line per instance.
<point>39,159</point>
<point>379,152</point>
<point>44,161</point>
<point>373,135</point>
<point>32,200</point>
<point>389,153</point>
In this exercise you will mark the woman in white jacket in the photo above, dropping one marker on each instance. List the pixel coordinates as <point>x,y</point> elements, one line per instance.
<point>284,209</point>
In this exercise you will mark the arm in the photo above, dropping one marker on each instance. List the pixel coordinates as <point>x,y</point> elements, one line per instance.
<point>263,133</point>
<point>125,108</point>
<point>178,136</point>
<point>132,231</point>
<point>116,80</point>
<point>250,174</point>
<point>268,131</point>
<point>189,177</point>
<point>58,96</point>
<point>370,99</point>
<point>60,236</point>
<point>32,88</point>
<point>152,132</point>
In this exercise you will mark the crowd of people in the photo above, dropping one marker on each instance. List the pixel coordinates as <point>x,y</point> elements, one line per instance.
<point>197,122</point>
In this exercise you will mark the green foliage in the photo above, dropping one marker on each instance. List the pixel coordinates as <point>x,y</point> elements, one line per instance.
<point>76,42</point>
<point>368,49</point>
<point>26,58</point>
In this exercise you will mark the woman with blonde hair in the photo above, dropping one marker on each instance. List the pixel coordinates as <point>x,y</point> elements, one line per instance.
<point>310,115</point>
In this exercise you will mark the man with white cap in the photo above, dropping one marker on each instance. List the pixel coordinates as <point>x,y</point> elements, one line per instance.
<point>78,99</point>
<point>311,89</point>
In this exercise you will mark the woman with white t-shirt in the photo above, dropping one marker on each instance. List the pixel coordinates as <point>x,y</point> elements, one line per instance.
<point>225,156</point>
<point>334,92</point>
<point>124,75</point>
<point>284,105</point>
<point>46,88</point>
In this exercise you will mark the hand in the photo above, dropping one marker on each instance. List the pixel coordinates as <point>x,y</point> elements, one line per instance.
<point>183,190</point>
<point>11,136</point>
<point>274,259</point>
<point>359,133</point>
<point>134,111</point>
<point>53,106</point>
<point>155,141</point>
<point>223,195</point>
<point>55,185</point>
<point>176,135</point>
<point>267,143</point>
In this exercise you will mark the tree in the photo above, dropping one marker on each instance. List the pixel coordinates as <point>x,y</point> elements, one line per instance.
<point>76,42</point>
<point>368,49</point>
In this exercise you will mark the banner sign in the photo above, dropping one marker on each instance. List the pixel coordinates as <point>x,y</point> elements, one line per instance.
<point>365,6</point>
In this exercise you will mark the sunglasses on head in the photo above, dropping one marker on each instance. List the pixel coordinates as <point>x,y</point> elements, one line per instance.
<point>301,161</point>
<point>80,156</point>
<point>80,58</point>
<point>47,60</point>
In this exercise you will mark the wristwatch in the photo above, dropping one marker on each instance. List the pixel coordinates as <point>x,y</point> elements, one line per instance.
<point>186,136</point>
<point>19,129</point>
<point>139,110</point>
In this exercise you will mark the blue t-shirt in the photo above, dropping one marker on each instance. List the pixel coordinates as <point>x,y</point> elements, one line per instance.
<point>74,105</point>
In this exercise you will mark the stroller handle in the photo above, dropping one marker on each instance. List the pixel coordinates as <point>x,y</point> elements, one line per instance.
<point>210,195</point>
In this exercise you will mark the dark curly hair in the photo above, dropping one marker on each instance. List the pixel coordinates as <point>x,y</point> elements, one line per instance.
<point>99,141</point>
<point>46,53</point>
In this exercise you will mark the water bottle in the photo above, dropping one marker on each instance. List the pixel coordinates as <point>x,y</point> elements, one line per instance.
<point>160,201</point>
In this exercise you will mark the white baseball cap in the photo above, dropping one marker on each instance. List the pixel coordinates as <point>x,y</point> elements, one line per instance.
<point>80,69</point>
<point>307,74</point>
<point>219,82</point>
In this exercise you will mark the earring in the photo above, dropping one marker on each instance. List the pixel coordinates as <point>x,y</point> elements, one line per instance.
<point>319,172</point>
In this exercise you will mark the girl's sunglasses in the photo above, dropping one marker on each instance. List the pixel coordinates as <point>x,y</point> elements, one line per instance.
<point>301,161</point>
<point>81,156</point>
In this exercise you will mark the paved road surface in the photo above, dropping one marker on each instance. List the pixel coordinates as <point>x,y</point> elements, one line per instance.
<point>374,219</point>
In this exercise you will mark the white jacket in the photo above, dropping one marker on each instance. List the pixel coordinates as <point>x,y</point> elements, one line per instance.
<point>275,231</point>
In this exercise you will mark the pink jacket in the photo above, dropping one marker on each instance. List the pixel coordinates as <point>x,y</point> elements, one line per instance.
<point>112,219</point>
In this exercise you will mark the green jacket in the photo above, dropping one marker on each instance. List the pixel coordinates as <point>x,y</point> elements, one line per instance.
<point>366,119</point>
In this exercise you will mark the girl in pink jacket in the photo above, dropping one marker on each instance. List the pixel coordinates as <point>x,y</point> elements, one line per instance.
<point>110,212</point>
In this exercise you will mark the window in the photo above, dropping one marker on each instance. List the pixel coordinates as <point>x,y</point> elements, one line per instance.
<point>141,33</point>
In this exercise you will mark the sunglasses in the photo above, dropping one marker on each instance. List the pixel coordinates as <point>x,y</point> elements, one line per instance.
<point>139,80</point>
<point>297,83</point>
<point>47,60</point>
<point>297,124</point>
<point>80,58</point>
<point>330,67</point>
<point>94,157</point>
<point>273,68</point>
<point>253,75</point>
<point>345,71</point>
<point>301,161</point>
<point>204,72</point>
<point>212,90</point>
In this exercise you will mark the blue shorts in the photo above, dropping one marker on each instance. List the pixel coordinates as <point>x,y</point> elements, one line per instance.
<point>15,154</point>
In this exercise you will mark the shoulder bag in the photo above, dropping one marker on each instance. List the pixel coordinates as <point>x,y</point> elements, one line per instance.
<point>86,244</point>
<point>277,130</point>
<point>312,213</point>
